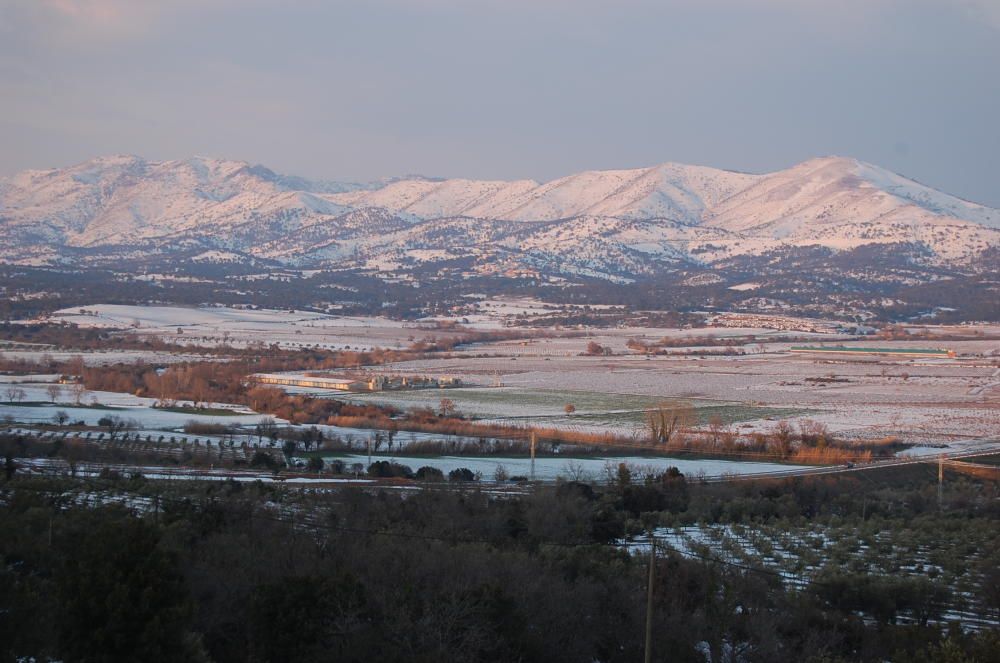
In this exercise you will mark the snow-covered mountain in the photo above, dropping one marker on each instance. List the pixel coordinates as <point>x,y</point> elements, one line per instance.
<point>612,224</point>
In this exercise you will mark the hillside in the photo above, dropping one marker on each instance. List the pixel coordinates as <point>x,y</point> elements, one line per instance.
<point>609,224</point>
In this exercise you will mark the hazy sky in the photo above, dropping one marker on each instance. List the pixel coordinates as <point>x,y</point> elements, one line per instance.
<point>507,88</point>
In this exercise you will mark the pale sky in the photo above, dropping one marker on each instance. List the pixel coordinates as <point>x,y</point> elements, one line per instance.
<point>507,88</point>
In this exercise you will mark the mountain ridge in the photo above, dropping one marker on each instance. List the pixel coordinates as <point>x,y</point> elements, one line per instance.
<point>615,223</point>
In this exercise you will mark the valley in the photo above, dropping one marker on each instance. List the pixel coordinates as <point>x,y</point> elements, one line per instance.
<point>590,390</point>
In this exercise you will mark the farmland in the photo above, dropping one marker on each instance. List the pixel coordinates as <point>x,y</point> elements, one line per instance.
<point>770,515</point>
<point>747,385</point>
<point>593,411</point>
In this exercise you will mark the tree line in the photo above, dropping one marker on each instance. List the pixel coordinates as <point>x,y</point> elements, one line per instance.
<point>211,572</point>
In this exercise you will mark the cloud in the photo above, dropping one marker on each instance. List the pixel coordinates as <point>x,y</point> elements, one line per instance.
<point>986,10</point>
<point>96,16</point>
<point>123,18</point>
<point>87,21</point>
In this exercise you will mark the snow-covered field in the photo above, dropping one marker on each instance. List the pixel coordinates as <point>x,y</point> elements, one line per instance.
<point>146,418</point>
<point>923,401</point>
<point>35,407</point>
<point>244,327</point>
<point>919,400</point>
<point>101,358</point>
<point>120,316</point>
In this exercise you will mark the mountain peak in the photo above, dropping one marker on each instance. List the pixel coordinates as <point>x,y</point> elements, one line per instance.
<point>114,159</point>
<point>624,221</point>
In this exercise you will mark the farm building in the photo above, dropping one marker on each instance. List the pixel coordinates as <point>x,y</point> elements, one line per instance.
<point>366,383</point>
<point>339,384</point>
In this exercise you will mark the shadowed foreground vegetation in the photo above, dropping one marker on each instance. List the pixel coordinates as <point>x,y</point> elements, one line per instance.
<point>129,569</point>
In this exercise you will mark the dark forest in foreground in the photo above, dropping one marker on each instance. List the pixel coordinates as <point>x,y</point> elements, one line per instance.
<point>127,569</point>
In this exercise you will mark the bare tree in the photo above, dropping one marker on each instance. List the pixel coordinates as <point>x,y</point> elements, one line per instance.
<point>596,349</point>
<point>15,394</point>
<point>266,427</point>
<point>79,391</point>
<point>54,391</point>
<point>668,420</point>
<point>76,365</point>
<point>447,407</point>
<point>115,425</point>
<point>716,427</point>
<point>782,434</point>
<point>576,472</point>
<point>200,390</point>
<point>60,418</point>
<point>813,433</point>
<point>377,440</point>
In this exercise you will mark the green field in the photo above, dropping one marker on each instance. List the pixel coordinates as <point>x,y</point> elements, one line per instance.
<point>68,406</point>
<point>207,411</point>
<point>727,415</point>
<point>546,407</point>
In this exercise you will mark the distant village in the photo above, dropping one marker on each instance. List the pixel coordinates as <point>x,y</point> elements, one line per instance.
<point>788,323</point>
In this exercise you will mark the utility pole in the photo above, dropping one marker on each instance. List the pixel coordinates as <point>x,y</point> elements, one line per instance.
<point>649,598</point>
<point>940,481</point>
<point>534,441</point>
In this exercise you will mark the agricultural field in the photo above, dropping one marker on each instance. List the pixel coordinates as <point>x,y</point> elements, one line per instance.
<point>21,352</point>
<point>743,379</point>
<point>924,401</point>
<point>241,328</point>
<point>592,411</point>
<point>944,566</point>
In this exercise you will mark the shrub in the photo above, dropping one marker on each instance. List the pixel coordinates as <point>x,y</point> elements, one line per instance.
<point>193,427</point>
<point>461,474</point>
<point>263,459</point>
<point>427,473</point>
<point>385,469</point>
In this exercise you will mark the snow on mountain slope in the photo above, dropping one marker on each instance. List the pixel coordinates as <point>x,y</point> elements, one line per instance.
<point>67,198</point>
<point>670,190</point>
<point>613,244</point>
<point>923,196</point>
<point>118,199</point>
<point>830,191</point>
<point>842,203</point>
<point>611,223</point>
<point>433,198</point>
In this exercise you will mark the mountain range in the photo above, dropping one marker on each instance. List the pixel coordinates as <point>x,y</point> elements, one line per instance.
<point>614,224</point>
